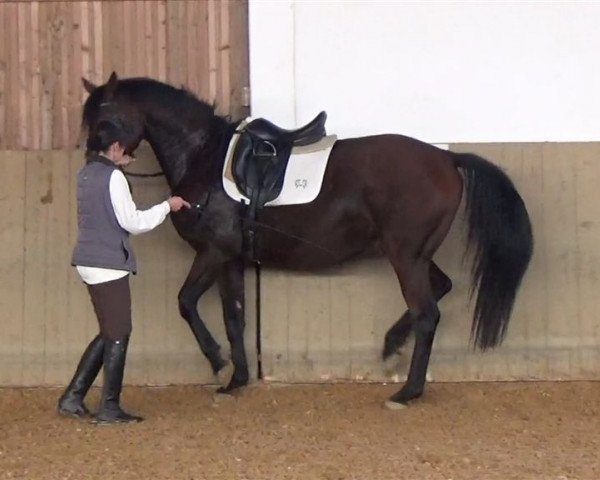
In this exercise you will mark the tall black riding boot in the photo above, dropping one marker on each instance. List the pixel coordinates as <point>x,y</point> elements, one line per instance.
<point>71,402</point>
<point>115,353</point>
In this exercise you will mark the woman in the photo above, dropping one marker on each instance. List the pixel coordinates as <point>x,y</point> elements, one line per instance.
<point>104,259</point>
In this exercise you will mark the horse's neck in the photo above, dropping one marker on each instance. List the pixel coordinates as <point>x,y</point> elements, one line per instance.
<point>174,149</point>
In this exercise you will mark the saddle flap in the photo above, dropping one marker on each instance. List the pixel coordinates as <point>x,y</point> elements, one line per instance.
<point>241,158</point>
<point>259,166</point>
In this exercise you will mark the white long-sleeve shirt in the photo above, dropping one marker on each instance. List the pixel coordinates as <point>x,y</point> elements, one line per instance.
<point>131,219</point>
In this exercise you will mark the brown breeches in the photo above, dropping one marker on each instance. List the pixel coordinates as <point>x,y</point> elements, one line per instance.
<point>112,304</point>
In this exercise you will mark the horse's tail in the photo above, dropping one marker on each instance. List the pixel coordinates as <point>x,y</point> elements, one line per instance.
<point>500,232</point>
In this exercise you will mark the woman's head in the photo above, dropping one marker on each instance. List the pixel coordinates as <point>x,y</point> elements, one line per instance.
<point>105,133</point>
<point>110,137</point>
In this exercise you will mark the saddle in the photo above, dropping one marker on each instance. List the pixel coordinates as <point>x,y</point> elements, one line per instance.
<point>262,154</point>
<point>260,159</point>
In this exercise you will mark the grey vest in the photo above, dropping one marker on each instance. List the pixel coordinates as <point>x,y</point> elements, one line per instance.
<point>102,242</point>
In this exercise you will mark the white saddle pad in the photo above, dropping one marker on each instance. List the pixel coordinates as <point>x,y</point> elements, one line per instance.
<point>303,177</point>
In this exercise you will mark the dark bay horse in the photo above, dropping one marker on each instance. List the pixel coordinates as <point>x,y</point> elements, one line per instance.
<point>387,193</point>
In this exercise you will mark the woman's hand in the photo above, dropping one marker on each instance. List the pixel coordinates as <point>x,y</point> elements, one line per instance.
<point>177,203</point>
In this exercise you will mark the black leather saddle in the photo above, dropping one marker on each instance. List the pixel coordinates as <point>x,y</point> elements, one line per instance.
<point>310,133</point>
<point>262,153</point>
<point>259,162</point>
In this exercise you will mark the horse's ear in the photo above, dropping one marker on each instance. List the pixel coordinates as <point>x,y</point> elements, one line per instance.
<point>111,86</point>
<point>89,86</point>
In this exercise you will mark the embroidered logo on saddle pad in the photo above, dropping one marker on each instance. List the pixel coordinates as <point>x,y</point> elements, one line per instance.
<point>303,176</point>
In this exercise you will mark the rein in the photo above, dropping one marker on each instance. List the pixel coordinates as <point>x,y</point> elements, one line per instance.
<point>289,235</point>
<point>204,203</point>
<point>143,175</point>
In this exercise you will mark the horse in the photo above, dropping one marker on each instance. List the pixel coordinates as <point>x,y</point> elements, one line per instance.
<point>388,195</point>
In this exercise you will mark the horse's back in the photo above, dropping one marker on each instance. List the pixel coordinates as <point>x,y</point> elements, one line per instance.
<point>399,166</point>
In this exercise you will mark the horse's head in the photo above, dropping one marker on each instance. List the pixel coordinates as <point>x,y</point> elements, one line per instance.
<point>179,127</point>
<point>109,102</point>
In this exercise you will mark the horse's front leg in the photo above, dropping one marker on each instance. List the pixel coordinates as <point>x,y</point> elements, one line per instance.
<point>231,288</point>
<point>201,277</point>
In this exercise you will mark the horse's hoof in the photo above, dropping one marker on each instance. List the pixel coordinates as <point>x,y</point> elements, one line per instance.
<point>224,392</point>
<point>392,346</point>
<point>73,408</point>
<point>74,414</point>
<point>218,365</point>
<point>225,373</point>
<point>404,396</point>
<point>233,386</point>
<point>388,351</point>
<point>391,405</point>
<point>220,397</point>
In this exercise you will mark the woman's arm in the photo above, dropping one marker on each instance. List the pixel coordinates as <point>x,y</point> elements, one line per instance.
<point>129,217</point>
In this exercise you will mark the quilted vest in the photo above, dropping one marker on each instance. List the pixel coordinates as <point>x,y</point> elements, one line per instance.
<point>101,242</point>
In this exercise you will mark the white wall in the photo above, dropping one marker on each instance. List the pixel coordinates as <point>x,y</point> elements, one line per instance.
<point>443,72</point>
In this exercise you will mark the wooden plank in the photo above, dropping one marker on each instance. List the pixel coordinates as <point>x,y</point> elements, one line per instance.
<point>74,71</point>
<point>34,100</point>
<point>298,317</point>
<point>55,29</point>
<point>108,62</point>
<point>47,76</point>
<point>176,44</point>
<point>239,71</point>
<point>24,49</point>
<point>119,32</point>
<point>143,44</point>
<point>534,312</point>
<point>134,39</point>
<point>584,158</point>
<point>274,325</point>
<point>12,86</point>
<point>192,45</point>
<point>12,237</point>
<point>63,36</point>
<point>202,67</point>
<point>559,182</point>
<point>97,43</point>
<point>38,194</point>
<point>150,16</point>
<point>3,81</point>
<point>86,29</point>
<point>56,264</point>
<point>128,14</point>
<point>213,57</point>
<point>162,37</point>
<point>224,58</point>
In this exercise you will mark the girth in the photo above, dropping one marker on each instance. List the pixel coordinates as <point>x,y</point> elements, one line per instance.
<point>260,158</point>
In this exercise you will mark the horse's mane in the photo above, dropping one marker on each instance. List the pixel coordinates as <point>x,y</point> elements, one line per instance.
<point>178,103</point>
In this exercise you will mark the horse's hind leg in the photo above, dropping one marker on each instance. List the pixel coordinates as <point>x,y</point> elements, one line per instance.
<point>201,277</point>
<point>397,335</point>
<point>231,289</point>
<point>424,316</point>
